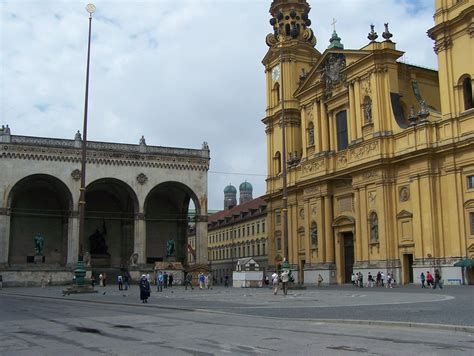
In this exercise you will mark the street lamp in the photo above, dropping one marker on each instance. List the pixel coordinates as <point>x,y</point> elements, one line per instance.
<point>80,270</point>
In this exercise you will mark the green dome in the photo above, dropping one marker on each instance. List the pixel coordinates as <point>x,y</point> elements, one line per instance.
<point>245,186</point>
<point>230,189</point>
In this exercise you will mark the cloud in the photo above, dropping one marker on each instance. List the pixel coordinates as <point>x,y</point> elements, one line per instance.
<point>179,72</point>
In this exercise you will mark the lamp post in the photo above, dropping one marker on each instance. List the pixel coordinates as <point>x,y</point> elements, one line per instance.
<point>90,8</point>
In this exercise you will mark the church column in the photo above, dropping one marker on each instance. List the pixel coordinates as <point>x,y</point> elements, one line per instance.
<point>328,230</point>
<point>139,238</point>
<point>357,111</point>
<point>73,238</point>
<point>201,240</point>
<point>318,131</point>
<point>324,127</point>
<point>360,241</point>
<point>332,137</point>
<point>4,235</point>
<point>352,114</point>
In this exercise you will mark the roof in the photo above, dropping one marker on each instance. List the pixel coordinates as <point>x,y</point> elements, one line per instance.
<point>238,212</point>
<point>230,189</point>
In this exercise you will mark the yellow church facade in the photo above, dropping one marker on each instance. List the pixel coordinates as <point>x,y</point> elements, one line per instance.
<point>377,156</point>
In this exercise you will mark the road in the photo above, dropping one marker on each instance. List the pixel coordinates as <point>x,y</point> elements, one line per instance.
<point>228,321</point>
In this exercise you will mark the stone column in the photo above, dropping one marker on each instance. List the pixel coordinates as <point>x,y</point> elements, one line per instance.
<point>139,238</point>
<point>324,127</point>
<point>328,230</point>
<point>201,240</point>
<point>4,235</point>
<point>73,239</point>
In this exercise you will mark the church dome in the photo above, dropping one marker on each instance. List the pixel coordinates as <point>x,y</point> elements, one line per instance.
<point>230,189</point>
<point>245,186</point>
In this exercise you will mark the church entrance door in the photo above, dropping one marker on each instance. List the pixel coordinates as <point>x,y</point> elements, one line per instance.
<point>348,252</point>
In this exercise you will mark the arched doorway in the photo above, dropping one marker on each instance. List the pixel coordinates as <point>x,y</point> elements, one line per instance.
<point>344,228</point>
<point>39,204</point>
<point>167,215</point>
<point>109,222</point>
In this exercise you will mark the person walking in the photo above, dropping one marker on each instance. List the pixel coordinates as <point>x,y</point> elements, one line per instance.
<point>275,282</point>
<point>284,281</point>
<point>201,280</point>
<point>165,279</point>
<point>429,279</point>
<point>125,280</point>
<point>422,279</point>
<point>378,279</point>
<point>104,279</point>
<point>188,281</point>
<point>120,282</point>
<point>437,280</point>
<point>144,289</point>
<point>320,280</point>
<point>170,280</point>
<point>206,281</point>
<point>382,278</point>
<point>159,282</point>
<point>92,281</point>
<point>226,281</point>
<point>353,280</point>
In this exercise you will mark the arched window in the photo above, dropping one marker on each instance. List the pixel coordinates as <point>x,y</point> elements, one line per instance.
<point>276,89</point>
<point>311,134</point>
<point>314,234</point>
<point>467,93</point>
<point>277,160</point>
<point>374,227</point>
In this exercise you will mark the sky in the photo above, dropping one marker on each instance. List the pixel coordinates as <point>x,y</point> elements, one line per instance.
<point>179,72</point>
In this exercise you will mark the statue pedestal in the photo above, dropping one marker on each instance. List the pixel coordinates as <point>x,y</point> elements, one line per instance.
<point>170,259</point>
<point>38,259</point>
<point>100,261</point>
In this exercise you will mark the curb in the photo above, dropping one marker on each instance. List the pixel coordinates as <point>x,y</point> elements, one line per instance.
<point>428,326</point>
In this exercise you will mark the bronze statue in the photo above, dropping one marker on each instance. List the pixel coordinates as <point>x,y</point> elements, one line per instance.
<point>39,244</point>
<point>170,248</point>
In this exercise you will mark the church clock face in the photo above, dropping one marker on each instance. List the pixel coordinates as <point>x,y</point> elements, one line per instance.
<point>276,73</point>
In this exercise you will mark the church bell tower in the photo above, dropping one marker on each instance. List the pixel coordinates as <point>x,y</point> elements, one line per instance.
<point>290,56</point>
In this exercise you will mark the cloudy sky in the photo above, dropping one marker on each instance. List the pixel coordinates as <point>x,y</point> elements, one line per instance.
<point>179,72</point>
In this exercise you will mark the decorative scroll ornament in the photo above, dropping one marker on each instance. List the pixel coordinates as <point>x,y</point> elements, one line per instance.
<point>76,174</point>
<point>142,178</point>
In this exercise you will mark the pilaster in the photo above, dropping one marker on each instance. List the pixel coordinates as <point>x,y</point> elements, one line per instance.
<point>201,240</point>
<point>4,235</point>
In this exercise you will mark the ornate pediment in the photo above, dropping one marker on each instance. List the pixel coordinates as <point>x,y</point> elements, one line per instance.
<point>343,220</point>
<point>404,214</point>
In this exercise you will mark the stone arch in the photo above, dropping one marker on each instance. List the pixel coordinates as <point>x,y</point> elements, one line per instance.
<point>167,216</point>
<point>110,210</point>
<point>39,203</point>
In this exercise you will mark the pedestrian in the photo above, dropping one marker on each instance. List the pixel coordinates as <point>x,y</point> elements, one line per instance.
<point>275,282</point>
<point>429,279</point>
<point>370,280</point>
<point>43,283</point>
<point>105,279</point>
<point>422,279</point>
<point>320,280</point>
<point>353,280</point>
<point>148,277</point>
<point>437,280</point>
<point>125,280</point>
<point>378,279</point>
<point>361,280</point>
<point>201,280</point>
<point>50,280</point>
<point>159,282</point>
<point>188,281</point>
<point>284,281</point>
<point>1,282</point>
<point>170,280</point>
<point>226,281</point>
<point>382,277</point>
<point>101,280</point>
<point>165,279</point>
<point>92,281</point>
<point>120,282</point>
<point>144,289</point>
<point>206,282</point>
<point>389,281</point>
